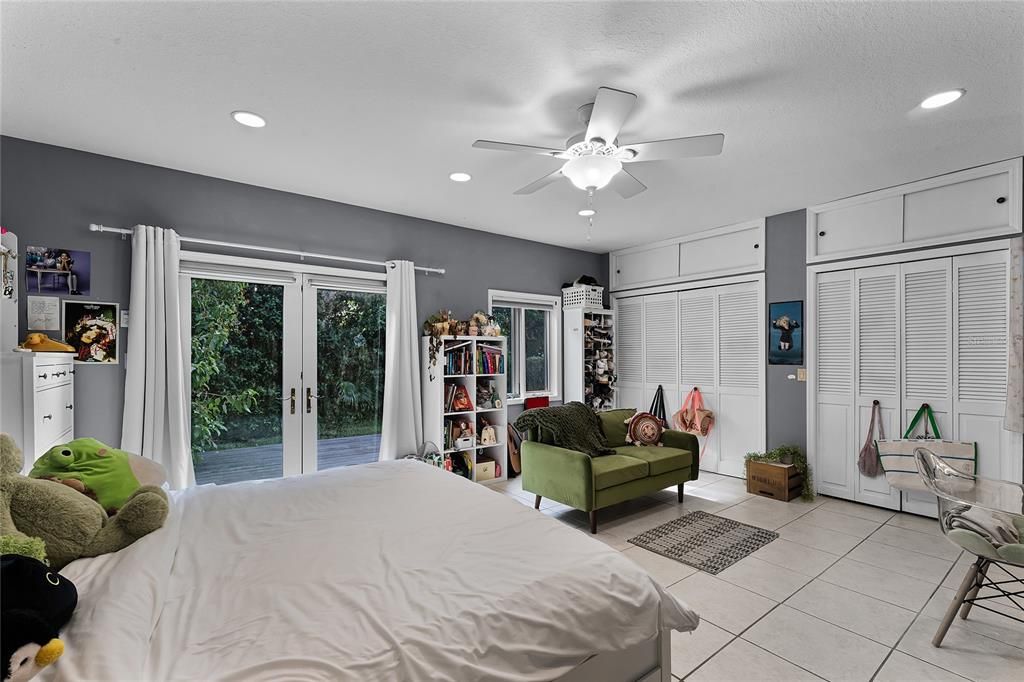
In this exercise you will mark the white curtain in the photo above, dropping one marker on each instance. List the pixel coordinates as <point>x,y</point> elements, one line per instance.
<point>156,424</point>
<point>402,428</point>
<point>1014,418</point>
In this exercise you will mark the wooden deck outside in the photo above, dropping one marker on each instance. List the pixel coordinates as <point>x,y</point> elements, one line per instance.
<point>246,464</point>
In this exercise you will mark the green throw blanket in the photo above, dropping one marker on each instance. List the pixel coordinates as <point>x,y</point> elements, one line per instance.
<point>573,426</point>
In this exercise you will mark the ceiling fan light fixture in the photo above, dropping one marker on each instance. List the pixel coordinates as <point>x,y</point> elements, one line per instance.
<point>591,171</point>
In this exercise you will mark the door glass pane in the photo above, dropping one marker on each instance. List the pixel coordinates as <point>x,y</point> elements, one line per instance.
<point>350,376</point>
<point>535,323</point>
<point>237,331</point>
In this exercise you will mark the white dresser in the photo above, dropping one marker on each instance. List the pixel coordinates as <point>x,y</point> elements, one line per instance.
<point>48,380</point>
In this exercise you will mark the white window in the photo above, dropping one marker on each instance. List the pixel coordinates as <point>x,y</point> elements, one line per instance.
<point>532,323</point>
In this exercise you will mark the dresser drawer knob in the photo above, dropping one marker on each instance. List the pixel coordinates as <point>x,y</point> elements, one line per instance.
<point>1001,200</point>
<point>47,416</point>
<point>69,407</point>
<point>822,233</point>
<point>43,375</point>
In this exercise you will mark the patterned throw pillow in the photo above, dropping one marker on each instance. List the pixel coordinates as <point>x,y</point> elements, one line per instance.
<point>643,428</point>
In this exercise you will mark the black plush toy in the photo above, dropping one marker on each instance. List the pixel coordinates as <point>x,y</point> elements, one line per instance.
<point>35,603</point>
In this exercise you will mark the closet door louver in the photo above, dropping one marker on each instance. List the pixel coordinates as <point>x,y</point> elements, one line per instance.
<point>926,343</point>
<point>739,346</point>
<point>697,340</point>
<point>835,335</point>
<point>981,323</point>
<point>629,329</point>
<point>660,339</point>
<point>877,326</point>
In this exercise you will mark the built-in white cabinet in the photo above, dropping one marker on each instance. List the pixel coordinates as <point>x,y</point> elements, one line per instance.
<point>928,331</point>
<point>711,337</point>
<point>48,381</point>
<point>723,251</point>
<point>970,204</point>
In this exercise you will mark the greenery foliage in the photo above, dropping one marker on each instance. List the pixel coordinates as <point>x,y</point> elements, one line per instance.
<point>788,454</point>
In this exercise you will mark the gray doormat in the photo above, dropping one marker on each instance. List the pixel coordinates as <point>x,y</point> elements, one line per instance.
<point>705,541</point>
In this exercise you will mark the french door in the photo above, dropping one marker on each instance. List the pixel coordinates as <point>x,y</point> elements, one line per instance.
<point>287,368</point>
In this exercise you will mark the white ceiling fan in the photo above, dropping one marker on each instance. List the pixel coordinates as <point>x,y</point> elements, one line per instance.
<point>593,159</point>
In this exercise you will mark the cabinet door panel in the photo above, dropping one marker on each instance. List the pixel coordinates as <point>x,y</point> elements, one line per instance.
<point>739,430</point>
<point>734,251</point>
<point>958,209</point>
<point>832,447</point>
<point>861,226</point>
<point>651,265</point>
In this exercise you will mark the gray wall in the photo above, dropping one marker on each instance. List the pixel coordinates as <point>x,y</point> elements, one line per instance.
<point>49,195</point>
<point>786,280</point>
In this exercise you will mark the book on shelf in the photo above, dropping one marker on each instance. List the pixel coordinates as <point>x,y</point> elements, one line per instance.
<point>490,359</point>
<point>458,359</point>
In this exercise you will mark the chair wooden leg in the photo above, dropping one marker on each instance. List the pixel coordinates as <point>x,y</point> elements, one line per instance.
<point>965,610</point>
<point>536,502</point>
<point>593,522</point>
<point>679,492</point>
<point>961,594</point>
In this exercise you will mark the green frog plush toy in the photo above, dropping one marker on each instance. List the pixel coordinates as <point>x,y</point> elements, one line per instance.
<point>105,474</point>
<point>70,524</point>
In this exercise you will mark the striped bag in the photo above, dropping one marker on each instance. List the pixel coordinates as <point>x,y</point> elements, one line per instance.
<point>897,455</point>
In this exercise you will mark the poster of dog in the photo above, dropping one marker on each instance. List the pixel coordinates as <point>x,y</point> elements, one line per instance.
<point>786,333</point>
<point>91,329</point>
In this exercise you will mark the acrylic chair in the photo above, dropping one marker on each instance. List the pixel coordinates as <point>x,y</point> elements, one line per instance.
<point>986,518</point>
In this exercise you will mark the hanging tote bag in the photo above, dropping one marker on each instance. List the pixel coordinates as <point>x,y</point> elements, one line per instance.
<point>693,417</point>
<point>867,461</point>
<point>897,456</point>
<point>658,406</point>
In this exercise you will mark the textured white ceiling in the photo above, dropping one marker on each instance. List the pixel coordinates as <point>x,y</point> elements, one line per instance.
<point>376,103</point>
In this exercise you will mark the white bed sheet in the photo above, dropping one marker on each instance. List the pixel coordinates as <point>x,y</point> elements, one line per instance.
<point>389,571</point>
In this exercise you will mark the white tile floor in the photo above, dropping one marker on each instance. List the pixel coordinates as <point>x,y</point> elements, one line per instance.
<point>848,592</point>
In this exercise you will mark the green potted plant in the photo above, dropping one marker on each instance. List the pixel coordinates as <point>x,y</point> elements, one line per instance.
<point>437,326</point>
<point>788,454</point>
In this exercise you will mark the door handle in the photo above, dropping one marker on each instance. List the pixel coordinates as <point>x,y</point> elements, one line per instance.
<point>291,398</point>
<point>309,399</point>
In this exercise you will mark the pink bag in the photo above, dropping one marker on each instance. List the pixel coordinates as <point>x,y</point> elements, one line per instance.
<point>693,417</point>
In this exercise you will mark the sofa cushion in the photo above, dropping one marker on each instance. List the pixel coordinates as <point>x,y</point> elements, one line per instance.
<point>661,460</point>
<point>613,470</point>
<point>613,424</point>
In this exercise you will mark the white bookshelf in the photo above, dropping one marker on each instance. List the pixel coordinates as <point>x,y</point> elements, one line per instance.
<point>437,416</point>
<point>588,336</point>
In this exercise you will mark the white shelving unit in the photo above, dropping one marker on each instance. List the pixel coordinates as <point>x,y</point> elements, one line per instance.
<point>589,337</point>
<point>471,376</point>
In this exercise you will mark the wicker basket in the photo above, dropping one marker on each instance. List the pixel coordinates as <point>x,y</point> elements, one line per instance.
<point>583,296</point>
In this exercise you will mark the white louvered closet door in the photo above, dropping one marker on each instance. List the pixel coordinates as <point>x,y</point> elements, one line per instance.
<point>834,438</point>
<point>661,349</point>
<point>629,351</point>
<point>876,371</point>
<point>698,360</point>
<point>927,355</point>
<point>980,337</point>
<point>741,343</point>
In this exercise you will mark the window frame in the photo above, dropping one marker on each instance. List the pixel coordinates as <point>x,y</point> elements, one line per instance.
<point>551,305</point>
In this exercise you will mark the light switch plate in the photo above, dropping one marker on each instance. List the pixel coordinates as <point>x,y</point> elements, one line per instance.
<point>801,374</point>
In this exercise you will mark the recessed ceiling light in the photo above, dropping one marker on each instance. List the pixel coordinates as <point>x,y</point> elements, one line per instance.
<point>587,212</point>
<point>460,177</point>
<point>247,118</point>
<point>942,99</point>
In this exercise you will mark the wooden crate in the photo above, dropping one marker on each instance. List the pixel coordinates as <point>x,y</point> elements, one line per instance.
<point>777,481</point>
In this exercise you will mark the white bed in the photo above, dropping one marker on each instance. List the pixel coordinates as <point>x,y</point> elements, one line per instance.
<point>390,571</point>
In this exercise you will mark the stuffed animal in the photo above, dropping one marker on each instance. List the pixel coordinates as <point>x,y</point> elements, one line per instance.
<point>69,523</point>
<point>41,343</point>
<point>105,474</point>
<point>37,603</point>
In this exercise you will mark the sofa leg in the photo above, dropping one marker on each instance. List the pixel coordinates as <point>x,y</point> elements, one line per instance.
<point>679,493</point>
<point>593,522</point>
<point>536,502</point>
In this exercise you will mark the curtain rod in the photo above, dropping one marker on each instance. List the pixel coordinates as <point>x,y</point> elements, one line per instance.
<point>232,245</point>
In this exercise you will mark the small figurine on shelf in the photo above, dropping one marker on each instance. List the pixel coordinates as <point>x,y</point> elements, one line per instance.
<point>488,436</point>
<point>478,323</point>
<point>485,395</point>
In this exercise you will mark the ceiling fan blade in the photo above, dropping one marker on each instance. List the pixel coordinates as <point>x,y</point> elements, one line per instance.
<point>625,185</point>
<point>611,107</point>
<point>509,147</point>
<point>677,148</point>
<point>539,184</point>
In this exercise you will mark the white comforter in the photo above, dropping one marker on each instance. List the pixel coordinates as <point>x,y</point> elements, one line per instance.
<point>391,571</point>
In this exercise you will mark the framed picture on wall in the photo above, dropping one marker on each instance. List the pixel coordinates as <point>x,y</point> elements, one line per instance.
<point>786,333</point>
<point>91,328</point>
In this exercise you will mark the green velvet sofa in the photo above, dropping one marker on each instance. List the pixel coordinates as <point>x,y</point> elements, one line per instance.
<point>590,483</point>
